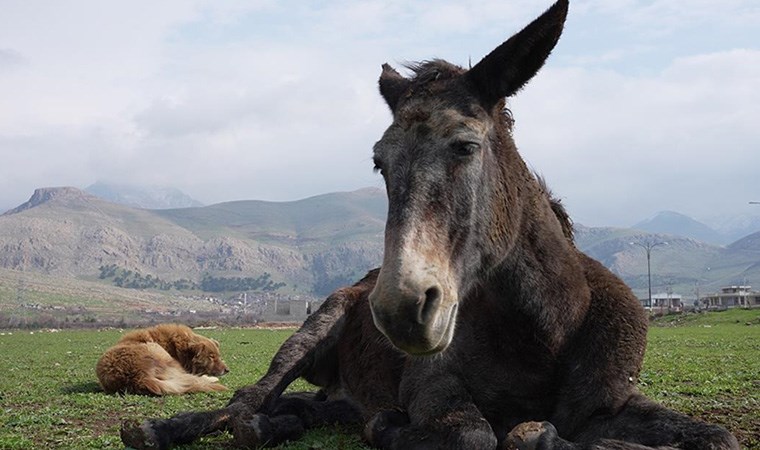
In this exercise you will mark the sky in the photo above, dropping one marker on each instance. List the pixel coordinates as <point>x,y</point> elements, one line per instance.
<point>644,105</point>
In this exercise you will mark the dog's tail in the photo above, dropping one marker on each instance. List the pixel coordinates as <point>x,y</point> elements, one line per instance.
<point>164,375</point>
<point>310,351</point>
<point>174,380</point>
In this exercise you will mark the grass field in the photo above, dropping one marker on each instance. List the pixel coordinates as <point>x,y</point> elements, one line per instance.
<point>707,366</point>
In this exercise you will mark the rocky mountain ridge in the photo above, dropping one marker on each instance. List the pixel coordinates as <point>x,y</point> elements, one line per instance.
<point>150,197</point>
<point>67,232</point>
<point>671,222</point>
<point>312,245</point>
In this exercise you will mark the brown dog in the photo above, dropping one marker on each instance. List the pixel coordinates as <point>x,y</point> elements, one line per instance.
<point>165,359</point>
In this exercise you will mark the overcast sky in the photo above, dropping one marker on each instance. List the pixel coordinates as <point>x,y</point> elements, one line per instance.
<point>645,105</point>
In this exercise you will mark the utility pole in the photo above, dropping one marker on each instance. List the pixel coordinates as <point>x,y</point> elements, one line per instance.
<point>648,246</point>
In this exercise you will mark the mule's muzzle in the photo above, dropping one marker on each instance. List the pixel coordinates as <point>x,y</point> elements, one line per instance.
<point>416,323</point>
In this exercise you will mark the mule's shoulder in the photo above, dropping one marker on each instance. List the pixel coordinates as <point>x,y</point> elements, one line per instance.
<point>359,291</point>
<point>604,358</point>
<point>606,285</point>
<point>615,316</point>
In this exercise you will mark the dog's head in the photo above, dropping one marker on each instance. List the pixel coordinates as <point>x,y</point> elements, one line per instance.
<point>206,358</point>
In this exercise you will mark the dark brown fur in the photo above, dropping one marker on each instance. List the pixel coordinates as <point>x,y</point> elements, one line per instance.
<point>485,327</point>
<point>165,359</point>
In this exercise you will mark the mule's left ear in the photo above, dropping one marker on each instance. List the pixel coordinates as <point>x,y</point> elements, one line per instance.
<point>512,64</point>
<point>392,86</point>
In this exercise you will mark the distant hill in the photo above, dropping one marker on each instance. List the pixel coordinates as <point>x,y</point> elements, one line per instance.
<point>684,265</point>
<point>734,227</point>
<point>673,223</point>
<point>749,244</point>
<point>312,245</point>
<point>154,197</point>
<point>4,208</point>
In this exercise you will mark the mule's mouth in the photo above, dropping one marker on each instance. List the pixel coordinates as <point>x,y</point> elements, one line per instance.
<point>417,338</point>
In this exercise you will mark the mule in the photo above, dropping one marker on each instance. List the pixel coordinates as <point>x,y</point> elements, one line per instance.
<point>485,327</point>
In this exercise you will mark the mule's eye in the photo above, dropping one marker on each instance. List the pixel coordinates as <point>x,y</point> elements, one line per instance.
<point>378,166</point>
<point>465,148</point>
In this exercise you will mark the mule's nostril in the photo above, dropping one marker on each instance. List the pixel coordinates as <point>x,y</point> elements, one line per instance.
<point>430,304</point>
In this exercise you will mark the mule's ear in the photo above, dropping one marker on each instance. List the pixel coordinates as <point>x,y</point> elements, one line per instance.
<point>392,86</point>
<point>512,64</point>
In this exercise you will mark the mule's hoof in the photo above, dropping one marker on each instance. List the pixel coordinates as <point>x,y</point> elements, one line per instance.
<point>139,436</point>
<point>260,430</point>
<point>381,427</point>
<point>532,436</point>
<point>251,430</point>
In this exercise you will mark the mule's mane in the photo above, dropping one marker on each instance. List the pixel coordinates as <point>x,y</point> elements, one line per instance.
<point>557,208</point>
<point>426,72</point>
<point>432,70</point>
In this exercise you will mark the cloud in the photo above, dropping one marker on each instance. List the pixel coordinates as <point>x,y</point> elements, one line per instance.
<point>643,106</point>
<point>622,147</point>
<point>11,59</point>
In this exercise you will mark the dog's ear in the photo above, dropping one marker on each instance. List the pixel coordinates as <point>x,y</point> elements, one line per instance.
<point>199,347</point>
<point>198,357</point>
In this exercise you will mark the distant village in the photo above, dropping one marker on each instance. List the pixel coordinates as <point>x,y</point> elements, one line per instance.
<point>268,306</point>
<point>275,309</point>
<point>241,309</point>
<point>736,296</point>
<point>271,307</point>
<point>250,308</point>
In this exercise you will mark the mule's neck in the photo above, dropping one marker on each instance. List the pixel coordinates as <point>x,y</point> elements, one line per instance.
<point>542,275</point>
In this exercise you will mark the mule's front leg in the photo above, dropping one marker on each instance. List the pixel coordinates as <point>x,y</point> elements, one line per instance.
<point>441,415</point>
<point>183,428</point>
<point>291,417</point>
<point>186,427</point>
<point>460,429</point>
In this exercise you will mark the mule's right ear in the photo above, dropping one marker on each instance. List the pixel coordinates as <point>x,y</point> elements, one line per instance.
<point>392,86</point>
<point>512,64</point>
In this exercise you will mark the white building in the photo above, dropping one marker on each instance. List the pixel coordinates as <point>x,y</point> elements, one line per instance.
<point>732,296</point>
<point>663,302</point>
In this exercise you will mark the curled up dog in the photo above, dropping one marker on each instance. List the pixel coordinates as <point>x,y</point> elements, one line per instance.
<point>165,359</point>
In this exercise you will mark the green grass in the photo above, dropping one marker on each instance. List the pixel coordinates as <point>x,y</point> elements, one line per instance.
<point>49,397</point>
<point>708,366</point>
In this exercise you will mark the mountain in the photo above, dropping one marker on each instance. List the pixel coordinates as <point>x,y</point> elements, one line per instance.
<point>4,208</point>
<point>155,197</point>
<point>750,243</point>
<point>311,245</point>
<point>736,226</point>
<point>63,196</point>
<point>684,265</point>
<point>673,223</point>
